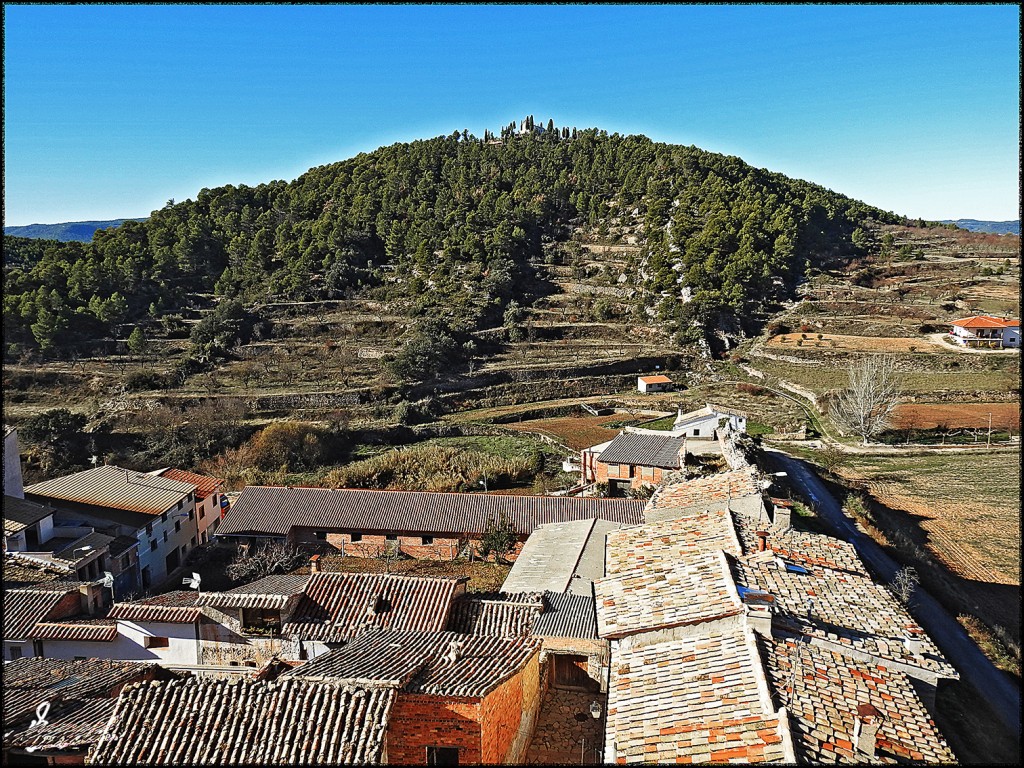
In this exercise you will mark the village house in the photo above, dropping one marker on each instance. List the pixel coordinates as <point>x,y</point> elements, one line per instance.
<point>437,526</point>
<point>210,500</point>
<point>705,423</point>
<point>986,331</point>
<point>80,698</point>
<point>26,608</point>
<point>159,513</point>
<point>648,384</point>
<point>633,458</point>
<point>458,698</point>
<point>204,720</point>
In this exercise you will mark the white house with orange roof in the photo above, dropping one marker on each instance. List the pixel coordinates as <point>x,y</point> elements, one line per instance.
<point>986,331</point>
<point>659,383</point>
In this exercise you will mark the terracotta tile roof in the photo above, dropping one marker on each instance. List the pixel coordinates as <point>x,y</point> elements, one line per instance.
<point>699,588</point>
<point>76,629</point>
<point>24,608</point>
<point>661,379</point>
<point>495,614</point>
<point>28,681</point>
<point>642,449</point>
<point>803,547</point>
<point>338,606</point>
<point>986,321</point>
<point>828,687</point>
<point>233,722</point>
<point>114,488</point>
<point>567,615</point>
<point>270,592</point>
<point>276,510</point>
<point>178,607</point>
<point>426,662</point>
<point>19,514</point>
<point>204,485</point>
<point>700,699</point>
<point>77,725</point>
<point>20,572</point>
<point>723,486</point>
<point>650,545</point>
<point>846,610</point>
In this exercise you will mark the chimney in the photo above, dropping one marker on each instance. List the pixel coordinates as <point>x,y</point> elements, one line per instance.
<point>314,564</point>
<point>762,540</point>
<point>914,641</point>
<point>865,729</point>
<point>783,515</point>
<point>759,610</point>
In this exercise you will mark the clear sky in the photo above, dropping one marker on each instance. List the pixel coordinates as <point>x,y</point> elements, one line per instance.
<point>112,110</point>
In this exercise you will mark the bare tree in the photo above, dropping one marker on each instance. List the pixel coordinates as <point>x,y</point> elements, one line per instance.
<point>272,557</point>
<point>903,584</point>
<point>865,407</point>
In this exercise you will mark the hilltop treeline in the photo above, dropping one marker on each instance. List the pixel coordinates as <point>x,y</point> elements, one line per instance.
<point>450,226</point>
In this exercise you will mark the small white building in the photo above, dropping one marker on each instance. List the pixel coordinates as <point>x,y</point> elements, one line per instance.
<point>986,331</point>
<point>660,383</point>
<point>707,421</point>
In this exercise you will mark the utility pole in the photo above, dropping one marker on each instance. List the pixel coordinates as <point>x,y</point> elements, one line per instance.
<point>990,429</point>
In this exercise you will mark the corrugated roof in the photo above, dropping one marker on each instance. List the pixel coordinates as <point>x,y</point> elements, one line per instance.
<point>24,608</point>
<point>96,542</point>
<point>501,615</point>
<point>642,449</point>
<point>178,607</point>
<point>821,690</point>
<point>337,606</point>
<point>204,484</point>
<point>115,488</point>
<point>567,615</point>
<point>555,553</point>
<point>276,510</point>
<point>233,722</point>
<point>419,662</point>
<point>19,514</point>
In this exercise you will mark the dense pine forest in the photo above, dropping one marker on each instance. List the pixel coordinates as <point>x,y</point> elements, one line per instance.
<point>450,228</point>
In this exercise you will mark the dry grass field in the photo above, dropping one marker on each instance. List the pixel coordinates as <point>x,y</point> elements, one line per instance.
<point>841,343</point>
<point>958,415</point>
<point>576,432</point>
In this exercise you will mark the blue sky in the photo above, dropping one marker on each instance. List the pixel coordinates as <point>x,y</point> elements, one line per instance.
<point>112,110</point>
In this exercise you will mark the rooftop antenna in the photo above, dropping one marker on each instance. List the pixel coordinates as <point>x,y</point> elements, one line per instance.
<point>193,581</point>
<point>108,581</point>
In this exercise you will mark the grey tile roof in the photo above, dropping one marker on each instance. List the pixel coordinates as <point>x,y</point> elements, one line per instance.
<point>821,690</point>
<point>115,488</point>
<point>276,510</point>
<point>567,615</point>
<point>699,699</point>
<point>438,663</point>
<point>338,606</point>
<point>642,449</point>
<point>19,514</point>
<point>97,542</point>
<point>270,592</point>
<point>495,614</point>
<point>234,722</point>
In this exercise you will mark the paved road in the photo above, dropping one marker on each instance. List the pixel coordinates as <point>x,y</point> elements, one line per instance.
<point>945,631</point>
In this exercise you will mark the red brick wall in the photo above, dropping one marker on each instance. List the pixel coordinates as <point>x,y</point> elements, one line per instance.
<point>373,545</point>
<point>503,713</point>
<point>636,479</point>
<point>419,721</point>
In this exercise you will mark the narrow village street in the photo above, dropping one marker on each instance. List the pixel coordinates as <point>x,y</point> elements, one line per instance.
<point>973,665</point>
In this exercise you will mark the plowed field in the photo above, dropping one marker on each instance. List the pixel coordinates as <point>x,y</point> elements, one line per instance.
<point>852,343</point>
<point>958,415</point>
<point>577,432</point>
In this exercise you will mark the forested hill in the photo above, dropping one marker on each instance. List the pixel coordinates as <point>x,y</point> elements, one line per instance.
<point>447,230</point>
<point>69,230</point>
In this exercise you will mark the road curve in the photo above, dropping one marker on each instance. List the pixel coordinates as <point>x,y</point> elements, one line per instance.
<point>957,646</point>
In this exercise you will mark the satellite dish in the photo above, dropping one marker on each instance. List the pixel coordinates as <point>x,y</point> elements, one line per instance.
<point>193,581</point>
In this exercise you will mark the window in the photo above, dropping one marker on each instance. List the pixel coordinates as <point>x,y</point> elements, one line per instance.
<point>442,756</point>
<point>696,433</point>
<point>320,535</point>
<point>152,546</point>
<point>202,512</point>
<point>152,641</point>
<point>191,514</point>
<point>647,473</point>
<point>126,562</point>
<point>391,537</point>
<point>15,652</point>
<point>357,537</point>
<point>149,529</point>
<point>165,536</point>
<point>163,517</point>
<point>177,525</point>
<point>613,470</point>
<point>181,504</point>
<point>427,539</point>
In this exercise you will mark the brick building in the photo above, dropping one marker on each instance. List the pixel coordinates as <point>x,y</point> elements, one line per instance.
<point>632,459</point>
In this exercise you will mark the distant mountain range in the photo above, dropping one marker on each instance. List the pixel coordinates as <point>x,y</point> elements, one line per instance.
<point>992,227</point>
<point>81,231</point>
